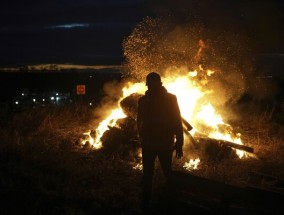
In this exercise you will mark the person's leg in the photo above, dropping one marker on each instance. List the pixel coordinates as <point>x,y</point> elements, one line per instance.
<point>148,162</point>
<point>165,159</point>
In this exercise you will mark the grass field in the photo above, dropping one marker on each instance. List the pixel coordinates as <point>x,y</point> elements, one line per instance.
<point>44,169</point>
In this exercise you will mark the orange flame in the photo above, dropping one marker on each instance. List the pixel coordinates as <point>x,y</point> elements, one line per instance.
<point>189,95</point>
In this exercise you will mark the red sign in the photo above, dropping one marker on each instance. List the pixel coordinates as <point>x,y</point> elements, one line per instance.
<point>81,89</point>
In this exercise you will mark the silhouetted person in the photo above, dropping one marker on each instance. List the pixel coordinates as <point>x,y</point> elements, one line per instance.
<point>160,131</point>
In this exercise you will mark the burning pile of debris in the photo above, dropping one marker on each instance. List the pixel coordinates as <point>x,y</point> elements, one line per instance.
<point>123,136</point>
<point>200,87</point>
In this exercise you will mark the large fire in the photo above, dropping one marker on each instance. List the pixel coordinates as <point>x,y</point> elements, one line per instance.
<point>195,108</point>
<point>170,49</point>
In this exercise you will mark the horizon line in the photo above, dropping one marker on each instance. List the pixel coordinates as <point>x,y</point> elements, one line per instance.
<point>57,67</point>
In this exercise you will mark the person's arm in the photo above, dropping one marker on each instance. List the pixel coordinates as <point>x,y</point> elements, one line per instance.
<point>139,118</point>
<point>178,130</point>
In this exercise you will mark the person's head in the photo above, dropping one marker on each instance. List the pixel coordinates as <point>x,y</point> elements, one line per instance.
<point>153,80</point>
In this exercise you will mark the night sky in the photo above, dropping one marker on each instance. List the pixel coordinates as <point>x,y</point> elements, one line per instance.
<point>91,31</point>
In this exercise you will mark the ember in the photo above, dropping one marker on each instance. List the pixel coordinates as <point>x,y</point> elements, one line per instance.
<point>200,101</point>
<point>219,137</point>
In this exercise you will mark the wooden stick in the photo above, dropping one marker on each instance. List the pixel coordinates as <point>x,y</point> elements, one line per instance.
<point>231,144</point>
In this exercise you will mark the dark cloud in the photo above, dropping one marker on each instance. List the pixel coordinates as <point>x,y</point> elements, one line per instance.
<point>81,31</point>
<point>58,30</point>
<point>262,20</point>
<point>46,12</point>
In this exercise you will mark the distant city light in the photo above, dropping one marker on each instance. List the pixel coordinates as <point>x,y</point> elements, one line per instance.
<point>55,98</point>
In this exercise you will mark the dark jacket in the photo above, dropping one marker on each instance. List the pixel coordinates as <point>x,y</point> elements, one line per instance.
<point>159,120</point>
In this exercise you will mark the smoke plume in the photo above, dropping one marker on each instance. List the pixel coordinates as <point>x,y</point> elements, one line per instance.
<point>157,44</point>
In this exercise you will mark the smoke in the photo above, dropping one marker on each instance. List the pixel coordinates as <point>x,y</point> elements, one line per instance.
<point>112,92</point>
<point>157,44</point>
<point>234,34</point>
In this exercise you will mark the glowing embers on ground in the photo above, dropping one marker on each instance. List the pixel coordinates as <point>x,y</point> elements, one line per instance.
<point>191,164</point>
<point>195,107</point>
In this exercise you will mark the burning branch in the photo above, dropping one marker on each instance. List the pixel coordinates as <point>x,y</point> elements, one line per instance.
<point>228,143</point>
<point>205,138</point>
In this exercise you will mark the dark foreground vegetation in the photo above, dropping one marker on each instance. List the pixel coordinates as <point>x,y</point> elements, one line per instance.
<point>44,169</point>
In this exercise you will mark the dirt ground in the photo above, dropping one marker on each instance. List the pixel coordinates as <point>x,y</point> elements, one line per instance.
<point>43,170</point>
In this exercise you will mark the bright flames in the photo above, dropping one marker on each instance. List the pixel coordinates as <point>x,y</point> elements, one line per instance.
<point>103,126</point>
<point>189,95</point>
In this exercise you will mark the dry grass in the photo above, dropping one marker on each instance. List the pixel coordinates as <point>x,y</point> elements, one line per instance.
<point>44,170</point>
<point>259,131</point>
